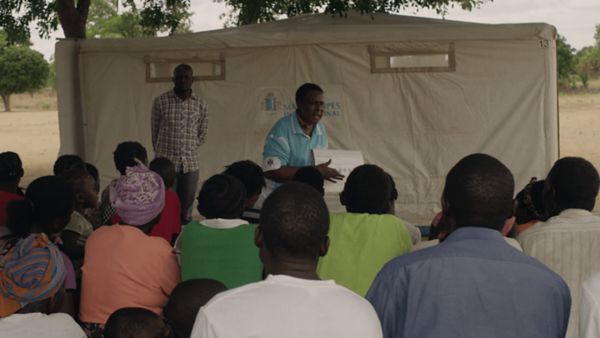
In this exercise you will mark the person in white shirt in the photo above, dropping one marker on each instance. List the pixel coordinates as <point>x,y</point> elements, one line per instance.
<point>568,241</point>
<point>589,310</point>
<point>292,301</point>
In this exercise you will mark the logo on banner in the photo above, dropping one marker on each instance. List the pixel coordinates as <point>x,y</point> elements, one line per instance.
<point>270,103</point>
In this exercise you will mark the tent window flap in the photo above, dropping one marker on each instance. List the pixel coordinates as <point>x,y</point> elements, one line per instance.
<point>438,58</point>
<point>161,70</point>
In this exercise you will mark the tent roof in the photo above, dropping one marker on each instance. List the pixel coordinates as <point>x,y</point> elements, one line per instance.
<point>326,29</point>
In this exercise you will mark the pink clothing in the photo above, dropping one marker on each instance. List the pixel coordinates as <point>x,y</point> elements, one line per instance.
<point>124,267</point>
<point>169,223</point>
<point>70,280</point>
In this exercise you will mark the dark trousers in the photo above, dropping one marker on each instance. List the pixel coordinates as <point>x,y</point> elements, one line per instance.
<point>185,187</point>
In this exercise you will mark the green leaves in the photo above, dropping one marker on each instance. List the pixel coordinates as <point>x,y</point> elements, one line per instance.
<point>254,11</point>
<point>23,70</point>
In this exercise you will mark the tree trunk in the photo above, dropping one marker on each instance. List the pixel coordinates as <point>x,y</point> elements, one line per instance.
<point>73,18</point>
<point>6,100</point>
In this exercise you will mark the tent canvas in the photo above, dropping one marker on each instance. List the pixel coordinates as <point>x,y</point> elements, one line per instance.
<point>413,94</point>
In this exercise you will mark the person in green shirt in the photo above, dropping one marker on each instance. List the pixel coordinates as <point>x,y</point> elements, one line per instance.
<point>220,247</point>
<point>368,235</point>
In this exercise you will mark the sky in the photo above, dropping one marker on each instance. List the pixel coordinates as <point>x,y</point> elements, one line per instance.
<point>574,19</point>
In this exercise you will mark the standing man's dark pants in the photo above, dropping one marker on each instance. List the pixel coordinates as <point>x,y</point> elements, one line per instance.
<point>186,185</point>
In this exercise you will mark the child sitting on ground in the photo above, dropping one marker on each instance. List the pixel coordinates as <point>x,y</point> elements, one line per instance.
<point>169,225</point>
<point>79,228</point>
<point>251,175</point>
<point>368,235</point>
<point>136,322</point>
<point>220,247</point>
<point>185,301</point>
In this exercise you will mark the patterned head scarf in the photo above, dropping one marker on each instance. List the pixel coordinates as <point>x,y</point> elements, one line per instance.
<point>33,270</point>
<point>138,196</point>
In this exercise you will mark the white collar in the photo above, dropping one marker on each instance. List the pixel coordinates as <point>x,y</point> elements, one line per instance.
<point>221,223</point>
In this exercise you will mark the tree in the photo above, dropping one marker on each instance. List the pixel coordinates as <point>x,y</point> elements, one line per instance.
<point>565,59</point>
<point>23,70</point>
<point>588,64</point>
<point>17,15</point>
<point>254,11</point>
<point>105,21</point>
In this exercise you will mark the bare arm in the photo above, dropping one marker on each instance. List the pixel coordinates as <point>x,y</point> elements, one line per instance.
<point>285,173</point>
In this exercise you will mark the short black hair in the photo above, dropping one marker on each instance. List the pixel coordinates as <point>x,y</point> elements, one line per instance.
<point>250,174</point>
<point>92,170</point>
<point>479,192</point>
<point>368,189</point>
<point>47,199</point>
<point>306,88</point>
<point>571,183</point>
<point>166,169</point>
<point>135,322</point>
<point>11,167</point>
<point>126,154</point>
<point>222,196</point>
<point>75,177</point>
<point>312,177</point>
<point>183,67</point>
<point>66,162</point>
<point>530,204</point>
<point>294,221</point>
<point>185,301</point>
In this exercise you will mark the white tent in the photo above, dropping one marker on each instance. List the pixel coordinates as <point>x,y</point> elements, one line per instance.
<point>413,94</point>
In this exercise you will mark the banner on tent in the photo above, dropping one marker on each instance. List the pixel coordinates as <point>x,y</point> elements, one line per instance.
<point>280,101</point>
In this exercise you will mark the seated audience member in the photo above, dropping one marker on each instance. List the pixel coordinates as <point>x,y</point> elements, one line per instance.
<point>312,177</point>
<point>31,291</point>
<point>221,246</point>
<point>292,301</point>
<point>185,301</point>
<point>365,237</point>
<point>11,171</point>
<point>123,265</point>
<point>589,309</point>
<point>251,175</point>
<point>568,241</point>
<point>124,156</point>
<point>473,284</point>
<point>442,230</point>
<point>47,209</point>
<point>169,224</point>
<point>529,205</point>
<point>67,162</point>
<point>79,228</point>
<point>130,322</point>
<point>93,214</point>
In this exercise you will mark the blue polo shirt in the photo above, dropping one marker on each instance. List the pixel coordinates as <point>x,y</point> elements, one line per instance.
<point>287,145</point>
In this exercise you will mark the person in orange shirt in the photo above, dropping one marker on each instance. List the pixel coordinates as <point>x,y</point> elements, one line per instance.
<point>123,265</point>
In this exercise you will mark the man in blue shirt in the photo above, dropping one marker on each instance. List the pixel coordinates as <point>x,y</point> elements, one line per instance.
<point>473,284</point>
<point>290,142</point>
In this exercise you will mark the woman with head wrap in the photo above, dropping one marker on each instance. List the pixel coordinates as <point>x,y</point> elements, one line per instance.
<point>46,209</point>
<point>220,247</point>
<point>124,266</point>
<point>31,291</point>
<point>529,205</point>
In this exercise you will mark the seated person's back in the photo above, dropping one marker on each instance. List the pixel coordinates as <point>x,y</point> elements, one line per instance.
<point>368,235</point>
<point>124,266</point>
<point>473,284</point>
<point>292,301</point>
<point>220,247</point>
<point>31,309</point>
<point>569,240</point>
<point>169,224</point>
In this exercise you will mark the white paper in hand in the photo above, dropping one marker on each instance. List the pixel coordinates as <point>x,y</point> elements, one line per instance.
<point>343,161</point>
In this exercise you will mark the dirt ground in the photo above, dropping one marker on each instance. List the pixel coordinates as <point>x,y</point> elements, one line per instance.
<point>33,132</point>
